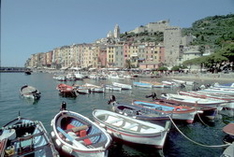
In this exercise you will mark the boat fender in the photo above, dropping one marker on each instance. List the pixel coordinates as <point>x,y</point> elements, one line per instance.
<point>178,108</point>
<point>67,149</point>
<point>52,134</point>
<point>58,142</point>
<point>102,125</point>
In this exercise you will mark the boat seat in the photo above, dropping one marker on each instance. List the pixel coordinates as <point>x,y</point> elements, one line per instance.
<point>131,126</point>
<point>86,137</point>
<point>114,120</point>
<point>76,129</point>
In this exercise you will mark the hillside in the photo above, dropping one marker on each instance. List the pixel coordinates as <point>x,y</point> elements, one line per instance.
<point>214,30</point>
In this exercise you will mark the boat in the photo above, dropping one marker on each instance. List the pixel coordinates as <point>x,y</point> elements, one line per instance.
<point>76,135</point>
<point>60,77</point>
<point>122,85</point>
<point>217,90</point>
<point>189,83</point>
<point>28,72</point>
<point>94,88</point>
<point>79,76</point>
<point>114,75</point>
<point>25,137</point>
<point>192,101</point>
<point>229,130</point>
<point>229,151</point>
<point>176,112</point>
<point>155,84</point>
<point>66,90</point>
<point>81,89</point>
<point>210,107</point>
<point>142,84</point>
<point>227,85</point>
<point>30,92</point>
<point>227,110</point>
<point>138,112</point>
<point>131,130</point>
<point>169,84</point>
<point>112,87</point>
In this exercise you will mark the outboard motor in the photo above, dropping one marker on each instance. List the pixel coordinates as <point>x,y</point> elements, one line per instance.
<point>63,106</point>
<point>153,95</point>
<point>112,99</point>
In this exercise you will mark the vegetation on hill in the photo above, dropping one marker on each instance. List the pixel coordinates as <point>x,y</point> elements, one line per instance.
<point>156,37</point>
<point>218,33</point>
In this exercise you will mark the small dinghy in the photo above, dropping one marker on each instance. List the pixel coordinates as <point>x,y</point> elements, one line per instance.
<point>30,92</point>
<point>76,135</point>
<point>67,90</point>
<point>25,137</point>
<point>229,130</point>
<point>131,130</point>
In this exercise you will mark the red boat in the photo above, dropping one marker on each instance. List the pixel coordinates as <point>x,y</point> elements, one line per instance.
<point>66,90</point>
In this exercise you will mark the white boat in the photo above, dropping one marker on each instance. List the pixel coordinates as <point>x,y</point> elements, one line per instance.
<point>122,85</point>
<point>208,106</point>
<point>25,137</point>
<point>228,109</point>
<point>114,75</point>
<point>79,76</point>
<point>229,151</point>
<point>142,84</point>
<point>176,112</point>
<point>30,92</point>
<point>112,87</point>
<point>169,84</point>
<point>60,77</point>
<point>193,101</point>
<point>70,77</point>
<point>94,88</point>
<point>76,135</point>
<point>130,129</point>
<point>228,85</point>
<point>155,84</point>
<point>189,83</point>
<point>81,89</point>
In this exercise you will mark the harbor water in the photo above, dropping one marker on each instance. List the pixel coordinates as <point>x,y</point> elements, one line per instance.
<point>176,144</point>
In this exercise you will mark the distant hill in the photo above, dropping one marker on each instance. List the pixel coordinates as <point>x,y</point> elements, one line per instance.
<point>213,30</point>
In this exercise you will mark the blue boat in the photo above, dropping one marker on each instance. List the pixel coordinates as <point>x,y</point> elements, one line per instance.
<point>142,84</point>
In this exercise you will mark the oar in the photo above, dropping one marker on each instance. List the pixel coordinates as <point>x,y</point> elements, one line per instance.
<point>76,143</point>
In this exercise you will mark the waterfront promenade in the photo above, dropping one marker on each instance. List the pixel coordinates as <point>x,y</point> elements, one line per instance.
<point>216,77</point>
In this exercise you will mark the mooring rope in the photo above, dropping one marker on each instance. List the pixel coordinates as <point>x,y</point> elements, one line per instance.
<point>200,144</point>
<point>201,120</point>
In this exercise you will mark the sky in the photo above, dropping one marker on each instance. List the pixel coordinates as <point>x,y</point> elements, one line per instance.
<point>34,26</point>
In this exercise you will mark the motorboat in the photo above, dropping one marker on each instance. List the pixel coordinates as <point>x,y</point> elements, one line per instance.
<point>30,92</point>
<point>122,85</point>
<point>176,112</point>
<point>66,90</point>
<point>142,84</point>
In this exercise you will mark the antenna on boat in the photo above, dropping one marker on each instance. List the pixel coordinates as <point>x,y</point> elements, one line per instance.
<point>19,117</point>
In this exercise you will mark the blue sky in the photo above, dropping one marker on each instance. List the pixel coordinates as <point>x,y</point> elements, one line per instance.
<point>34,26</point>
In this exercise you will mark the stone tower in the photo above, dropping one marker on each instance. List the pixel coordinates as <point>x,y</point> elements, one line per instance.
<point>172,43</point>
<point>116,31</point>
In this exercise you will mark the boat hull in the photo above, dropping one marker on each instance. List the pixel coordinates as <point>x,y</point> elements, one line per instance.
<point>175,112</point>
<point>95,141</point>
<point>130,131</point>
<point>26,137</point>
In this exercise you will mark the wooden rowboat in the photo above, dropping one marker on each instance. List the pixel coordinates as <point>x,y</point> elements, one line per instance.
<point>131,130</point>
<point>77,135</point>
